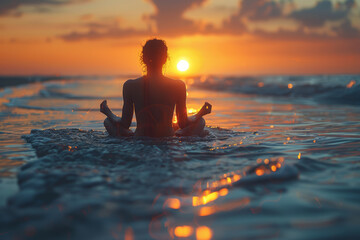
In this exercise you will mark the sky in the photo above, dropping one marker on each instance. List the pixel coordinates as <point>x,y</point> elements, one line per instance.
<point>226,37</point>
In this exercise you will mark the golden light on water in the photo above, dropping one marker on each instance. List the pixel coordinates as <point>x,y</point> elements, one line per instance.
<point>183,231</point>
<point>203,233</point>
<point>223,192</point>
<point>206,198</point>
<point>206,211</point>
<point>209,210</point>
<point>190,111</point>
<point>290,86</point>
<point>211,194</point>
<point>129,234</point>
<point>173,203</point>
<point>203,200</point>
<point>259,172</point>
<point>351,84</point>
<point>183,65</point>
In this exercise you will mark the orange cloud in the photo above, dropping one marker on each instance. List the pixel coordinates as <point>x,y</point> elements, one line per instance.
<point>169,21</point>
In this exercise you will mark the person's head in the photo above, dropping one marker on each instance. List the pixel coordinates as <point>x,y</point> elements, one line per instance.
<point>154,54</point>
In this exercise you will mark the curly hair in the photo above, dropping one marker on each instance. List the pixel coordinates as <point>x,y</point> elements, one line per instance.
<point>154,53</point>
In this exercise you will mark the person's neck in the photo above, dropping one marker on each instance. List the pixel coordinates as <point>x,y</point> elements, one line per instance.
<point>154,73</point>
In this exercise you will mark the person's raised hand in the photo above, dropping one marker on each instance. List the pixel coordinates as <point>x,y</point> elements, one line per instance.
<point>206,109</point>
<point>104,107</point>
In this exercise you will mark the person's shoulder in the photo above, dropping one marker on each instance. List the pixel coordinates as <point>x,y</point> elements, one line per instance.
<point>131,82</point>
<point>176,83</point>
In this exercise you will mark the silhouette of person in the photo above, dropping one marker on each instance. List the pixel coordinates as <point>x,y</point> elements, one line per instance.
<point>154,98</point>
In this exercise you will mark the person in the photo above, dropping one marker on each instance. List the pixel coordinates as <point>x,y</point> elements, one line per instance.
<point>154,98</point>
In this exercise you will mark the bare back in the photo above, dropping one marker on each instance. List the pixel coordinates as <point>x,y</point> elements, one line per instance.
<point>154,101</point>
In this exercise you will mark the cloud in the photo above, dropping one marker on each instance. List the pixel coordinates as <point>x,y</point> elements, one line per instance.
<point>169,20</point>
<point>233,25</point>
<point>284,34</point>
<point>322,12</point>
<point>264,10</point>
<point>260,10</point>
<point>11,7</point>
<point>86,17</point>
<point>346,30</point>
<point>349,4</point>
<point>98,30</point>
<point>343,31</point>
<point>169,17</point>
<point>252,10</point>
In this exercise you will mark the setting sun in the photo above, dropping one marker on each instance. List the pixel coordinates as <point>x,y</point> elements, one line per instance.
<point>182,65</point>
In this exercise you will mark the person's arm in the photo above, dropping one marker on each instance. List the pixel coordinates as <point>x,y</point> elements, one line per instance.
<point>206,109</point>
<point>128,106</point>
<point>104,108</point>
<point>181,111</point>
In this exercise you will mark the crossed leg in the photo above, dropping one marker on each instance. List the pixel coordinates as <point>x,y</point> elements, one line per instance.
<point>116,130</point>
<point>194,129</point>
<point>112,122</point>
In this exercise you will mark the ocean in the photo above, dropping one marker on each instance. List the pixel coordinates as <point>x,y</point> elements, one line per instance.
<point>281,161</point>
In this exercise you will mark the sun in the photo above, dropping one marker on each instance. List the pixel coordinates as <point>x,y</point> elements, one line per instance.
<point>183,65</point>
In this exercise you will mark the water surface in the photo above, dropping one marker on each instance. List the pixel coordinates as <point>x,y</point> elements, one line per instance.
<point>281,161</point>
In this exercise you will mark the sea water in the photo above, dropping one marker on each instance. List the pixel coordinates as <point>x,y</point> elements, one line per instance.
<point>281,161</point>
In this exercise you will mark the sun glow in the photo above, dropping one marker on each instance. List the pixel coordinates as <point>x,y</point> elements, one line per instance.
<point>183,65</point>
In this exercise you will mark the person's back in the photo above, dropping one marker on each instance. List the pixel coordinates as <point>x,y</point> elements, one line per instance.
<point>154,101</point>
<point>154,98</point>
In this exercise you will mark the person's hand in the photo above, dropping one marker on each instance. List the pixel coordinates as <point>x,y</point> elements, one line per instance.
<point>104,107</point>
<point>206,109</point>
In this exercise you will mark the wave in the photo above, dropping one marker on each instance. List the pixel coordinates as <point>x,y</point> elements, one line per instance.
<point>324,89</point>
<point>57,93</point>
<point>340,89</point>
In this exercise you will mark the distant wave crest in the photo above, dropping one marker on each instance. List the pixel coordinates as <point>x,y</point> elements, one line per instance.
<point>325,89</point>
